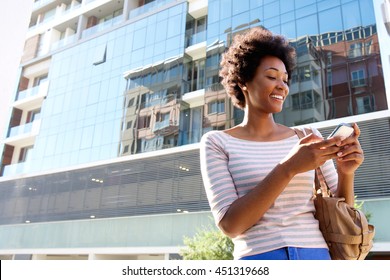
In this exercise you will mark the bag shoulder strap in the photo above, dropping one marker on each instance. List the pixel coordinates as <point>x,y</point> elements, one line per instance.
<point>321,187</point>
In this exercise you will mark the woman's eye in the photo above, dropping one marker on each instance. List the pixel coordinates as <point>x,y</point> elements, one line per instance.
<point>272,78</point>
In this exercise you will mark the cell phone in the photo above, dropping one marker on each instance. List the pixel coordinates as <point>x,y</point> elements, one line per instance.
<point>343,130</point>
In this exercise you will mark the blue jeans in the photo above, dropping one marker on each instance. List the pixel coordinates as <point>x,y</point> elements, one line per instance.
<point>292,253</point>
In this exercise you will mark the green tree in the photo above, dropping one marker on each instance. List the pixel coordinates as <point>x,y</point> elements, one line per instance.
<point>209,243</point>
<point>359,205</point>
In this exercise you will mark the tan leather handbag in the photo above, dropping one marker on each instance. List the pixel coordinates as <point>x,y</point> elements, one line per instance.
<point>345,228</point>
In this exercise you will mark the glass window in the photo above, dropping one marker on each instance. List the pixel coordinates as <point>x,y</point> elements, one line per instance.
<point>307,26</point>
<point>240,21</point>
<point>287,6</point>
<point>139,39</point>
<point>225,26</point>
<point>272,22</point>
<point>365,104</point>
<point>216,107</point>
<point>358,78</point>
<point>351,15</point>
<point>287,17</point>
<point>213,12</point>
<point>240,6</point>
<point>288,29</point>
<point>256,15</point>
<point>356,50</point>
<point>25,153</point>
<point>305,11</point>
<point>257,3</point>
<point>327,25</point>
<point>303,100</point>
<point>271,10</point>
<point>367,10</point>
<point>174,26</point>
<point>161,30</point>
<point>213,30</point>
<point>326,4</point>
<point>225,9</point>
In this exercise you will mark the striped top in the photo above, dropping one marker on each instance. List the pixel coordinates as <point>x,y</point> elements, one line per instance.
<point>231,167</point>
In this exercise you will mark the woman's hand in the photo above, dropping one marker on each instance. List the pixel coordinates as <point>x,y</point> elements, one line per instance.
<point>351,155</point>
<point>311,152</point>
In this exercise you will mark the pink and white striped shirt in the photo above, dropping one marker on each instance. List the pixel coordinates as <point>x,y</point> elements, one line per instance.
<point>231,167</point>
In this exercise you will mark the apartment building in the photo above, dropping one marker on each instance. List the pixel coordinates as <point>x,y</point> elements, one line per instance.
<point>100,159</point>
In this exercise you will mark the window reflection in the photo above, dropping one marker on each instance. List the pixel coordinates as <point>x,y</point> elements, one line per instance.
<point>338,74</point>
<point>338,71</point>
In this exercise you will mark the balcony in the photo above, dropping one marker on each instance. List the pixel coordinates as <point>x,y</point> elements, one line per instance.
<point>148,7</point>
<point>17,168</point>
<point>196,38</point>
<point>195,98</point>
<point>196,45</point>
<point>64,42</point>
<point>197,8</point>
<point>161,125</point>
<point>23,135</point>
<point>102,26</point>
<point>31,97</point>
<point>160,102</point>
<point>41,3</point>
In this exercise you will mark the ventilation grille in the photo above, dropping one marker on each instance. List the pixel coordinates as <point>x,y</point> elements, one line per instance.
<point>372,179</point>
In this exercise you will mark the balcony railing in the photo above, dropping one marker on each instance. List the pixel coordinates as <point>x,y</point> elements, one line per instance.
<point>21,129</point>
<point>38,4</point>
<point>34,91</point>
<point>64,42</point>
<point>28,128</point>
<point>196,38</point>
<point>102,26</point>
<point>159,101</point>
<point>161,125</point>
<point>17,168</point>
<point>148,7</point>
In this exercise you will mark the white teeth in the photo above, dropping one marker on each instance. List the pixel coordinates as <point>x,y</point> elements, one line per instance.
<point>277,97</point>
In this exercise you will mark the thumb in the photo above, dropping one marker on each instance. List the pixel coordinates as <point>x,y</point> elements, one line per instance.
<point>311,138</point>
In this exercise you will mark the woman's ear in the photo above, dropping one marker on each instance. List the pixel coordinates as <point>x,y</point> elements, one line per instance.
<point>243,87</point>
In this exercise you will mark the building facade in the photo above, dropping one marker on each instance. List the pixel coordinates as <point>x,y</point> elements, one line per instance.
<point>101,156</point>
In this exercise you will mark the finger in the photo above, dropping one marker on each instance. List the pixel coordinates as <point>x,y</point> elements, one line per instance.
<point>357,157</point>
<point>356,130</point>
<point>311,138</point>
<point>334,141</point>
<point>350,149</point>
<point>352,140</point>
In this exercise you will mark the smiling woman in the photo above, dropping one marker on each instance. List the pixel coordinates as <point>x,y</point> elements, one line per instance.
<point>259,175</point>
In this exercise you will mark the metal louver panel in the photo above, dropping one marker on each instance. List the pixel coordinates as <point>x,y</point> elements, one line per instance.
<point>373,177</point>
<point>162,184</point>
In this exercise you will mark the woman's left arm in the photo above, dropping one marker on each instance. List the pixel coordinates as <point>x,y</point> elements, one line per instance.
<point>348,161</point>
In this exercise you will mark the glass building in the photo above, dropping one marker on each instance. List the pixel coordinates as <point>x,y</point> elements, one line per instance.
<point>101,156</point>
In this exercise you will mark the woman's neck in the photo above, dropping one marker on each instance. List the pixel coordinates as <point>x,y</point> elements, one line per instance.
<point>260,126</point>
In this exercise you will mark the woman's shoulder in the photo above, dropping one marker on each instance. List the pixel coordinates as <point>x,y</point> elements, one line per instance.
<point>214,135</point>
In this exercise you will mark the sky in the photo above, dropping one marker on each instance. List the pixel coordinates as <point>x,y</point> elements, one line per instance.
<point>14,21</point>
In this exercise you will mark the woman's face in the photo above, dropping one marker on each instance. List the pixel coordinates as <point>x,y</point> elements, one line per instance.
<point>268,89</point>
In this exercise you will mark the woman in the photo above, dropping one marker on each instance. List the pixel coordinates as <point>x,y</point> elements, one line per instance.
<point>259,175</point>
